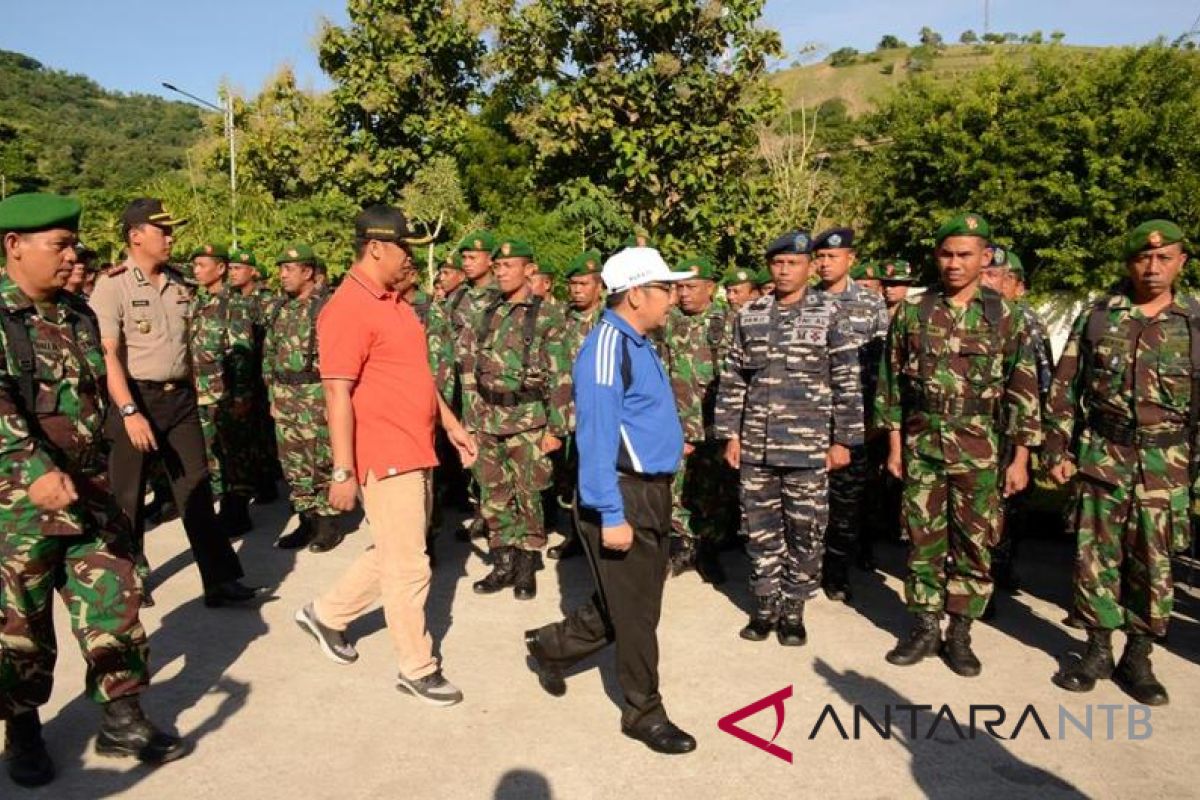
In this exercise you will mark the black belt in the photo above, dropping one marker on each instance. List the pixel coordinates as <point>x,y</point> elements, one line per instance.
<point>213,368</point>
<point>164,386</point>
<point>644,477</point>
<point>945,406</point>
<point>1120,430</point>
<point>509,399</point>
<point>296,378</point>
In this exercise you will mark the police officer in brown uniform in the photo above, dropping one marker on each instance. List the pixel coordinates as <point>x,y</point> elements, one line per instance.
<point>142,307</point>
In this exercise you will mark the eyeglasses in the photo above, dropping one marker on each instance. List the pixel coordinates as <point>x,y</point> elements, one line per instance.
<point>666,287</point>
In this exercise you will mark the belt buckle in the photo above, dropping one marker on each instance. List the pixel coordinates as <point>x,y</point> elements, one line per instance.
<point>170,386</point>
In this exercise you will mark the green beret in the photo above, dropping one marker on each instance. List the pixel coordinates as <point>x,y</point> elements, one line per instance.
<point>217,251</point>
<point>481,240</point>
<point>896,270</point>
<point>637,240</point>
<point>1147,236</point>
<point>587,263</point>
<point>964,225</point>
<point>513,248</point>
<point>1015,266</point>
<point>763,277</point>
<point>453,260</point>
<point>31,212</point>
<point>736,276</point>
<point>864,271</point>
<point>243,257</point>
<point>700,265</point>
<point>296,253</point>
<point>546,269</point>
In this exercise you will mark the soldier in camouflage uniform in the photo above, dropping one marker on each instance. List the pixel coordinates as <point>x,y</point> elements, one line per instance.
<point>790,406</point>
<point>60,527</point>
<point>221,350</point>
<point>866,276</point>
<point>740,289</point>
<point>541,282</point>
<point>244,280</point>
<point>444,330</point>
<point>421,302</point>
<point>867,318</point>
<point>958,374</point>
<point>1121,420</point>
<point>586,306</point>
<point>695,339</point>
<point>1006,275</point>
<point>290,356</point>
<point>450,274</point>
<point>897,278</point>
<point>517,401</point>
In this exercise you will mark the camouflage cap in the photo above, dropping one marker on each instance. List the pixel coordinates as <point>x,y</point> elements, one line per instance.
<point>700,265</point>
<point>587,263</point>
<point>864,271</point>
<point>481,240</point>
<point>735,276</point>
<point>1151,235</point>
<point>39,211</point>
<point>896,270</point>
<point>969,224</point>
<point>513,248</point>
<point>296,253</point>
<point>210,250</point>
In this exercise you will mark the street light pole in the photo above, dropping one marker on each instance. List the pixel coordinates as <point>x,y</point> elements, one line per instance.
<point>227,113</point>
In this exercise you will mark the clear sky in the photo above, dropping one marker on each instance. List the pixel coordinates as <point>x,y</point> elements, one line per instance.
<point>134,45</point>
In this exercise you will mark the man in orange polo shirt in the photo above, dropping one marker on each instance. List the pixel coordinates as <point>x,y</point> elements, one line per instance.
<point>383,409</point>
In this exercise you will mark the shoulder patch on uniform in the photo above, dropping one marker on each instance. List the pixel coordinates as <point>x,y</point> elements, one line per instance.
<point>115,271</point>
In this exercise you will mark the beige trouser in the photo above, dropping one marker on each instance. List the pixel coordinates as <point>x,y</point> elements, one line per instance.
<point>394,568</point>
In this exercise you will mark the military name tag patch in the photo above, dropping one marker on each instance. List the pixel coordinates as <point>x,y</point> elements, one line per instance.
<point>756,319</point>
<point>141,303</point>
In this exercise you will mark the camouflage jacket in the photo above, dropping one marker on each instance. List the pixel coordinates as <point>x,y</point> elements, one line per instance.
<point>790,388</point>
<point>502,392</point>
<point>444,328</point>
<point>1041,347</point>
<point>65,428</point>
<point>1139,373</point>
<point>869,322</point>
<point>952,381</point>
<point>694,350</point>
<point>422,304</point>
<point>578,326</point>
<point>221,347</point>
<point>291,358</point>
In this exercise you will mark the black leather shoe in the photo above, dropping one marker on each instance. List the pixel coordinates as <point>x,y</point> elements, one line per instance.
<point>549,675</point>
<point>662,737</point>
<point>568,549</point>
<point>125,731</point>
<point>231,593</point>
<point>29,764</point>
<point>299,537</point>
<point>327,534</point>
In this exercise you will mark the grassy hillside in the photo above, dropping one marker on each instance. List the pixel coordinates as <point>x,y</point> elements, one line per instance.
<point>65,133</point>
<point>861,84</point>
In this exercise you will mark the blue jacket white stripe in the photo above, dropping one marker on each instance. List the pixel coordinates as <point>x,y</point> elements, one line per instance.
<point>634,431</point>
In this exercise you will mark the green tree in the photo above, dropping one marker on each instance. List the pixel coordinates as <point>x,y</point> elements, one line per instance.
<point>1062,151</point>
<point>969,37</point>
<point>930,38</point>
<point>890,42</point>
<point>657,103</point>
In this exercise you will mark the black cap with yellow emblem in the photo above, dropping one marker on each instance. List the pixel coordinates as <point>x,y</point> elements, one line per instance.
<point>148,211</point>
<point>385,224</point>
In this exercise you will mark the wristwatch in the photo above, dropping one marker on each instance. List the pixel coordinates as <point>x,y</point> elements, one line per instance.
<point>342,474</point>
<point>128,410</point>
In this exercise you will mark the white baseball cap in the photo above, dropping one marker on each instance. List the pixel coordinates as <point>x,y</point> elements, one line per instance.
<point>637,266</point>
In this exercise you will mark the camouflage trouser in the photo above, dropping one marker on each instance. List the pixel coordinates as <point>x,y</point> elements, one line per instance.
<point>304,449</point>
<point>785,513</point>
<point>703,495</point>
<point>101,593</point>
<point>229,442</point>
<point>1123,562</point>
<point>847,488</point>
<point>512,472</point>
<point>955,514</point>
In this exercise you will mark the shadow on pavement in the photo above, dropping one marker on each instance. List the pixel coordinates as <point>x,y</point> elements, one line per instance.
<point>522,784</point>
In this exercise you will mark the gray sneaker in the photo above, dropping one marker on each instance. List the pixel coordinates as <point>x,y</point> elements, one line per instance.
<point>433,689</point>
<point>333,643</point>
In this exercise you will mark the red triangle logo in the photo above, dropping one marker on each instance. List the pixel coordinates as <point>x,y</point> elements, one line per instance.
<point>728,724</point>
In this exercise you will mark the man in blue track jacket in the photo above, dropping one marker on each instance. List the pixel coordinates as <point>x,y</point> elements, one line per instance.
<point>630,444</point>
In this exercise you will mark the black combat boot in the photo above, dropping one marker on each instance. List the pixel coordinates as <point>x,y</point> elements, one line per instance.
<point>235,514</point>
<point>683,555</point>
<point>790,630</point>
<point>923,640</point>
<point>125,731</point>
<point>1134,675</point>
<point>835,578</point>
<point>708,563</point>
<point>327,533</point>
<point>525,574</point>
<point>762,618</point>
<point>28,762</point>
<point>1097,663</point>
<point>956,650</point>
<point>299,537</point>
<point>503,571</point>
